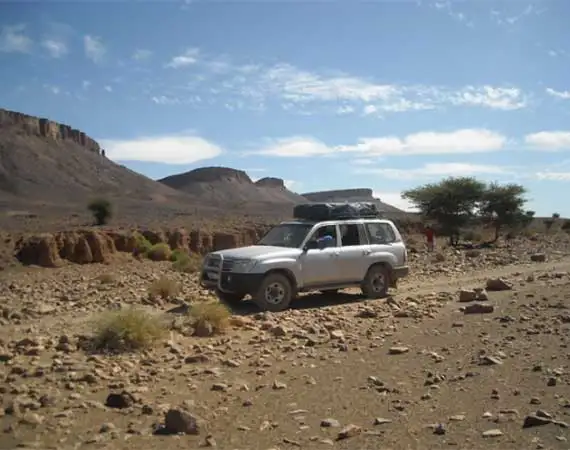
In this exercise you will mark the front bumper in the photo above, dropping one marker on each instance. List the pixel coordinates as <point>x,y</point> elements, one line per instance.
<point>238,283</point>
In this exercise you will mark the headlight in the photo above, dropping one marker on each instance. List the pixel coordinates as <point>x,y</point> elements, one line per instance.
<point>243,265</point>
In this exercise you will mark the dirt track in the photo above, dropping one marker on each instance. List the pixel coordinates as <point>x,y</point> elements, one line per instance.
<point>276,379</point>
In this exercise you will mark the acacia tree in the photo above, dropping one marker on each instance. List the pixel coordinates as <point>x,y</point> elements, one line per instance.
<point>502,206</point>
<point>452,203</point>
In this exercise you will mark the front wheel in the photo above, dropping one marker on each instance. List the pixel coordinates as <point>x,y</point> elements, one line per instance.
<point>376,282</point>
<point>229,298</point>
<point>274,294</point>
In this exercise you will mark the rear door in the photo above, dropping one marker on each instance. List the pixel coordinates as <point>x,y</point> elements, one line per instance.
<point>353,259</point>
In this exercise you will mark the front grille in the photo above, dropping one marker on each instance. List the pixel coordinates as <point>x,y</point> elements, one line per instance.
<point>227,265</point>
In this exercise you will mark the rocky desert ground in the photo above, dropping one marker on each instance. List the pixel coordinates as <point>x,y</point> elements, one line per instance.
<point>470,352</point>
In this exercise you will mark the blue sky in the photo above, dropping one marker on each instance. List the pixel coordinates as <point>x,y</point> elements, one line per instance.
<point>326,95</point>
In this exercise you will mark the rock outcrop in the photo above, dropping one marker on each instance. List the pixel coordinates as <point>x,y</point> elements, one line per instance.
<point>46,128</point>
<point>95,246</point>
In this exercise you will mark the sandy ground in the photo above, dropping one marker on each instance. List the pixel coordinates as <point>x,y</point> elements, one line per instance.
<point>413,371</point>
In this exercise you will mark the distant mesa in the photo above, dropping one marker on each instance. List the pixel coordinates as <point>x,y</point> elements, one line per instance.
<point>271,182</point>
<point>351,195</point>
<point>224,185</point>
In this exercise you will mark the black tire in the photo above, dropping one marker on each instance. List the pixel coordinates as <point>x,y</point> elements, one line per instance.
<point>376,282</point>
<point>231,299</point>
<point>274,293</point>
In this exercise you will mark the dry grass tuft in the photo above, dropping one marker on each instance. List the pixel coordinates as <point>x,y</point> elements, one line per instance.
<point>209,317</point>
<point>164,288</point>
<point>128,330</point>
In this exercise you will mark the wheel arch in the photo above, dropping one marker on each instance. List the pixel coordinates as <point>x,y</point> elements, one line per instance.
<point>287,274</point>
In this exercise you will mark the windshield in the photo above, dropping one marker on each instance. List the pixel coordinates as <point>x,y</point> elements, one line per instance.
<point>286,235</point>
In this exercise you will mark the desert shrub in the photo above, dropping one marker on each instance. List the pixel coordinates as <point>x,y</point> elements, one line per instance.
<point>159,252</point>
<point>212,316</point>
<point>184,262</point>
<point>101,209</point>
<point>555,215</point>
<point>128,330</point>
<point>164,288</point>
<point>473,236</point>
<point>141,244</point>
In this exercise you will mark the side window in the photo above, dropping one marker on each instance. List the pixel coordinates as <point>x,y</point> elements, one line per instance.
<point>352,235</point>
<point>380,233</point>
<point>328,233</point>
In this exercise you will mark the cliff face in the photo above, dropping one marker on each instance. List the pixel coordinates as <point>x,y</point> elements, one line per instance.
<point>36,126</point>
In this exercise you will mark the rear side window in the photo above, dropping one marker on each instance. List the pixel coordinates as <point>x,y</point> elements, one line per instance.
<point>352,235</point>
<point>380,233</point>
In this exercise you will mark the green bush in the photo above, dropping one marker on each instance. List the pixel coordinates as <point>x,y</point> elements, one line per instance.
<point>184,262</point>
<point>141,244</point>
<point>159,252</point>
<point>101,209</point>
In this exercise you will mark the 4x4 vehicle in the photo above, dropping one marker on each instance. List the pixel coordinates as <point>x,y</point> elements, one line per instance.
<point>307,255</point>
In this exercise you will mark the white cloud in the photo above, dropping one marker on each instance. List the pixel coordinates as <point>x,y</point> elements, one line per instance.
<point>14,40</point>
<point>189,57</point>
<point>94,49</point>
<point>164,100</point>
<point>425,143</point>
<point>560,94</point>
<point>490,97</point>
<point>53,89</point>
<point>553,176</point>
<point>141,54</point>
<point>162,149</point>
<point>430,143</point>
<point>434,170</point>
<point>298,85</point>
<point>295,147</point>
<point>85,84</point>
<point>55,48</point>
<point>549,140</point>
<point>108,88</point>
<point>395,199</point>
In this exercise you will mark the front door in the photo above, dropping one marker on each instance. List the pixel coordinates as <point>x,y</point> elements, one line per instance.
<point>319,266</point>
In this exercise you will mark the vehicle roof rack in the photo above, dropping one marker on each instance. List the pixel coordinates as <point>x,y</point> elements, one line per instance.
<point>320,212</point>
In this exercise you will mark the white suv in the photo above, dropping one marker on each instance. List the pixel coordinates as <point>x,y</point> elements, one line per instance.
<point>299,256</point>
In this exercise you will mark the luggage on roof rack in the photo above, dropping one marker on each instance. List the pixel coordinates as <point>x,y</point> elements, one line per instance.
<point>336,211</point>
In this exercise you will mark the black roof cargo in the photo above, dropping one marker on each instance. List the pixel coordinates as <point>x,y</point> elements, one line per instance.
<point>319,212</point>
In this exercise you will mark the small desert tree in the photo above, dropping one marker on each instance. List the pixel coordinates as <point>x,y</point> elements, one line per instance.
<point>101,209</point>
<point>502,206</point>
<point>452,203</point>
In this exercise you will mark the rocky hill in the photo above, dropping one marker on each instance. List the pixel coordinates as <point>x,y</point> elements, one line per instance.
<point>352,195</point>
<point>46,161</point>
<point>222,186</point>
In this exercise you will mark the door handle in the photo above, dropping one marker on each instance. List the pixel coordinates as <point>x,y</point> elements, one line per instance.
<point>366,252</point>
<point>335,254</point>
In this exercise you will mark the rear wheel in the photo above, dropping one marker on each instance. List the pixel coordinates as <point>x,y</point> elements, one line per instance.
<point>230,298</point>
<point>274,293</point>
<point>376,282</point>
